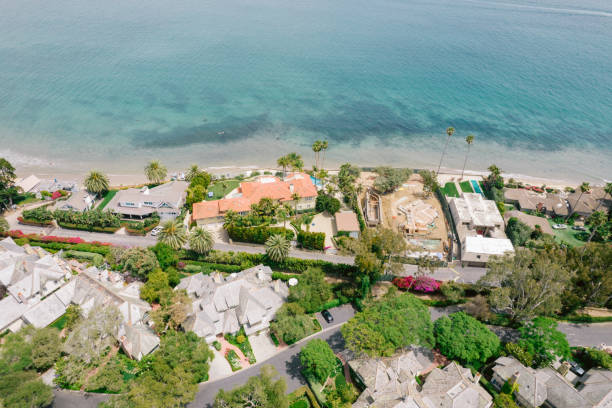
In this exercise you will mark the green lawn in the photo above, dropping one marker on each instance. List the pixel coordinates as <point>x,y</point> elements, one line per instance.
<point>569,236</point>
<point>107,197</point>
<point>466,186</point>
<point>450,189</point>
<point>26,198</point>
<point>221,188</point>
<point>60,323</point>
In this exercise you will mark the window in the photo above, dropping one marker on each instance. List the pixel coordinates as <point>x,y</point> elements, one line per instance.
<point>477,256</point>
<point>148,203</point>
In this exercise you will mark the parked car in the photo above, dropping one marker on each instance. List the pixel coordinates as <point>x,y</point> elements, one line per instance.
<point>559,226</point>
<point>327,316</point>
<point>575,368</point>
<point>156,231</point>
<point>578,228</point>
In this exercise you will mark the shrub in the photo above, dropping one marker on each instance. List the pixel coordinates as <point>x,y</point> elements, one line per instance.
<point>216,345</point>
<point>423,284</point>
<point>192,269</point>
<point>520,354</point>
<point>256,235</point>
<point>40,214</point>
<point>311,240</point>
<point>240,339</point>
<point>94,258</point>
<point>327,203</point>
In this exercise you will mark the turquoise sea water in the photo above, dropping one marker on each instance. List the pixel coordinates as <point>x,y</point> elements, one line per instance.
<point>113,83</point>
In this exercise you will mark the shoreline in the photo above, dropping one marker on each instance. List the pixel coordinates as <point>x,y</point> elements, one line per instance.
<point>446,174</point>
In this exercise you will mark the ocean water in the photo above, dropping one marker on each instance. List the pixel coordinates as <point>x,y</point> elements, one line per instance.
<point>111,84</point>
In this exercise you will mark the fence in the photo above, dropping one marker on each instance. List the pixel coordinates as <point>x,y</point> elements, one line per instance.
<point>451,221</point>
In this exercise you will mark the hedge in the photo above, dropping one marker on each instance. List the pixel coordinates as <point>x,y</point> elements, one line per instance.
<point>109,230</point>
<point>34,223</point>
<point>256,235</point>
<point>304,391</point>
<point>311,240</point>
<point>93,257</point>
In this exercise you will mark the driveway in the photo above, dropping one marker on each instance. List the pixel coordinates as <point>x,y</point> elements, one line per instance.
<point>219,366</point>
<point>323,222</point>
<point>263,346</point>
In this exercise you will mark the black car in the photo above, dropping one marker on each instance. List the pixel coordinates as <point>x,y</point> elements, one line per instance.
<point>327,316</point>
<point>575,368</point>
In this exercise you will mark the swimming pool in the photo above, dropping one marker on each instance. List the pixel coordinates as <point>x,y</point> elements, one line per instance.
<point>476,187</point>
<point>316,181</point>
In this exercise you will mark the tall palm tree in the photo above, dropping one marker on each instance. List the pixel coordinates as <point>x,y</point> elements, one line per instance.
<point>96,182</point>
<point>282,214</point>
<point>316,148</point>
<point>155,171</point>
<point>193,171</point>
<point>584,187</point>
<point>277,247</point>
<point>608,192</point>
<point>173,234</point>
<point>469,140</point>
<point>4,225</point>
<point>296,198</point>
<point>201,240</point>
<point>324,146</point>
<point>295,161</point>
<point>284,162</point>
<point>449,132</point>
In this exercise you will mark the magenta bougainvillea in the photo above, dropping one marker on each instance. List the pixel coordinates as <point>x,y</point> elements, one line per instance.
<point>423,284</point>
<point>53,238</point>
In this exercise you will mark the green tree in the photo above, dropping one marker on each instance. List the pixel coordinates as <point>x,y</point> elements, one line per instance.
<point>388,325</point>
<point>4,225</point>
<point>528,283</point>
<point>316,148</point>
<point>108,378</point>
<point>430,182</point>
<point>24,389</point>
<point>596,221</point>
<point>8,191</point>
<point>375,250</point>
<point>265,390</point>
<point>193,171</point>
<point>327,203</point>
<point>195,194</point>
<point>16,352</point>
<point>73,315</point>
<point>284,162</point>
<point>541,338</point>
<point>311,292</point>
<point>139,262</point>
<point>96,182</point>
<point>461,337</point>
<point>201,240</point>
<point>277,248</point>
<point>469,140</point>
<point>389,179</point>
<point>324,147</point>
<point>46,348</point>
<point>584,188</point>
<point>155,172</point>
<point>504,400</point>
<point>295,162</point>
<point>449,133</point>
<point>166,256</point>
<point>518,232</point>
<point>175,307</point>
<point>173,234</point>
<point>318,359</point>
<point>157,283</point>
<point>292,323</point>
<point>201,179</point>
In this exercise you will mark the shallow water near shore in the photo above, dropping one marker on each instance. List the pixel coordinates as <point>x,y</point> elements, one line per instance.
<point>113,84</point>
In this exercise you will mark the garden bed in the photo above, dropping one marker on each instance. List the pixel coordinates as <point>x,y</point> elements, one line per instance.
<point>233,360</point>
<point>34,223</point>
<point>241,340</point>
<point>303,394</point>
<point>79,227</point>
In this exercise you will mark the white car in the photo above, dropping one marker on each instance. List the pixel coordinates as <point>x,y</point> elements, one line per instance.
<point>559,226</point>
<point>156,231</point>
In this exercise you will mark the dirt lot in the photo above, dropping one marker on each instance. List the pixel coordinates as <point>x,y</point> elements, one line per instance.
<point>411,191</point>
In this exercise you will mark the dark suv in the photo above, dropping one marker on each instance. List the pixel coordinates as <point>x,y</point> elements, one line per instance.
<point>327,316</point>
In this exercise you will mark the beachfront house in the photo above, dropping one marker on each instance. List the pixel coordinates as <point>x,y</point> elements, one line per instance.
<point>251,192</point>
<point>547,387</point>
<point>585,204</point>
<point>550,204</point>
<point>346,221</point>
<point>222,305</point>
<point>532,221</point>
<point>33,184</point>
<point>80,201</point>
<point>166,200</point>
<point>480,227</point>
<point>391,382</point>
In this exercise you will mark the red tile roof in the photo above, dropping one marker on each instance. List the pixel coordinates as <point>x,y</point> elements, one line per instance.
<point>254,191</point>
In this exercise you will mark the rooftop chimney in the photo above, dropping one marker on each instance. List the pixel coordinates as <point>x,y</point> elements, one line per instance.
<point>512,380</point>
<point>291,187</point>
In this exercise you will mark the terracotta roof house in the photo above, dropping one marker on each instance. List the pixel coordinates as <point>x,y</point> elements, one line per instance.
<point>222,305</point>
<point>165,199</point>
<point>390,383</point>
<point>346,221</point>
<point>251,192</point>
<point>530,220</point>
<point>547,387</point>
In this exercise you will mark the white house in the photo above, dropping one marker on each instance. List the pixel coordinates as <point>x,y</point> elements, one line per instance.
<point>165,199</point>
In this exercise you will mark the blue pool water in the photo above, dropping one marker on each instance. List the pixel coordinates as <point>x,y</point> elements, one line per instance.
<point>316,181</point>
<point>113,84</point>
<point>476,187</point>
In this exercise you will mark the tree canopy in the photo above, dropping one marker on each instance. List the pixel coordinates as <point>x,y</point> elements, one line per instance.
<point>375,250</point>
<point>318,359</point>
<point>461,337</point>
<point>541,338</point>
<point>292,324</point>
<point>311,292</point>
<point>155,171</point>
<point>518,232</point>
<point>265,390</point>
<point>389,178</point>
<point>591,282</point>
<point>388,325</point>
<point>139,262</point>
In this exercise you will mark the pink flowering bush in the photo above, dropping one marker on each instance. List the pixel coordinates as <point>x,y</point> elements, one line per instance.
<point>423,284</point>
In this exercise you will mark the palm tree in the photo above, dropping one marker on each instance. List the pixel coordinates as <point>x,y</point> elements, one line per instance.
<point>277,247</point>
<point>96,182</point>
<point>596,220</point>
<point>282,214</point>
<point>469,140</point>
<point>296,198</point>
<point>284,162</point>
<point>193,171</point>
<point>229,219</point>
<point>322,175</point>
<point>155,172</point>
<point>449,132</point>
<point>608,192</point>
<point>173,234</point>
<point>316,148</point>
<point>324,146</point>
<point>295,161</point>
<point>201,240</point>
<point>584,187</point>
<point>4,225</point>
